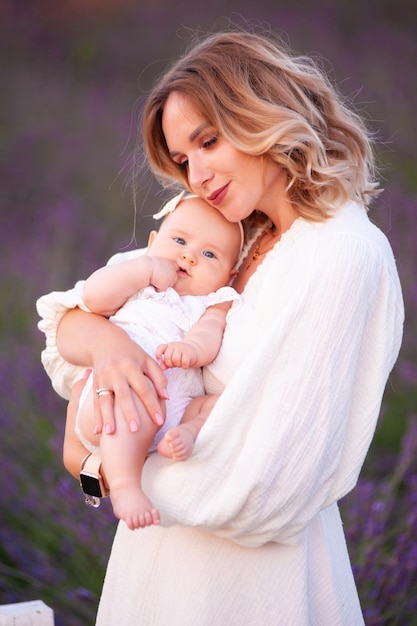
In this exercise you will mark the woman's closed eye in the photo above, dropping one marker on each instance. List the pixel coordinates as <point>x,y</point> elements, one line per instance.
<point>207,143</point>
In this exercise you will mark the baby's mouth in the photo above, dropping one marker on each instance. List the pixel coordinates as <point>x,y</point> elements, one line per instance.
<point>182,271</point>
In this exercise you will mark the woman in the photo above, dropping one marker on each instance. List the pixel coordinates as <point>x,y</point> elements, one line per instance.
<point>250,529</point>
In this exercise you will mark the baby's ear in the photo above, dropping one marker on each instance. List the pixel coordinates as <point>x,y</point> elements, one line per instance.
<point>151,237</point>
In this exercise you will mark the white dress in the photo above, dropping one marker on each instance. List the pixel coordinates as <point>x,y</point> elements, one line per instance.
<point>153,317</point>
<point>251,533</point>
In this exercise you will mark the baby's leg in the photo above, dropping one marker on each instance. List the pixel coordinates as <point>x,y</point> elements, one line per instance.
<point>86,419</point>
<point>178,442</point>
<point>123,455</point>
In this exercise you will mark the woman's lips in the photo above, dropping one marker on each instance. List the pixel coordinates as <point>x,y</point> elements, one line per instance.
<point>218,196</point>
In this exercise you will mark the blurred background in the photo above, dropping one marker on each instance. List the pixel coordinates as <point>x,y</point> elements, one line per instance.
<point>73,76</point>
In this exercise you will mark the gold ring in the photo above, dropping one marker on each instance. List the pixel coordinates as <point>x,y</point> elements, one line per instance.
<point>104,392</point>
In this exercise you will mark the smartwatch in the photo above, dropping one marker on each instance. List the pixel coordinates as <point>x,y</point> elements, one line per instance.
<point>91,481</point>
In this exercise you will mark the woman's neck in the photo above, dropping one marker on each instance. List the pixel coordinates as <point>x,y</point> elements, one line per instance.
<point>275,203</point>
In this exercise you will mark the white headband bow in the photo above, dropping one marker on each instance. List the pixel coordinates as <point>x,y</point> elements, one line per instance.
<point>172,204</point>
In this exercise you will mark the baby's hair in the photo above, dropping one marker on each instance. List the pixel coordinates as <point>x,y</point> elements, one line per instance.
<point>270,103</point>
<point>172,204</point>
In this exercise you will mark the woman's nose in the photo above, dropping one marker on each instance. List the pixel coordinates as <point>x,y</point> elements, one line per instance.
<point>198,173</point>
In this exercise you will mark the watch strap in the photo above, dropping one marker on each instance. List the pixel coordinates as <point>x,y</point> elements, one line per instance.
<point>90,467</point>
<point>91,464</point>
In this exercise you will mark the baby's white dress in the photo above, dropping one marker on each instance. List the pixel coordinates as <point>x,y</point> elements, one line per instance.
<point>150,318</point>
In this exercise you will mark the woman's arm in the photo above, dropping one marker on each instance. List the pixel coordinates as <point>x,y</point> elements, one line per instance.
<point>289,434</point>
<point>73,450</point>
<point>51,308</point>
<point>118,363</point>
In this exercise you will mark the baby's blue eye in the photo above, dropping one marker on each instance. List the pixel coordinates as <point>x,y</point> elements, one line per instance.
<point>179,240</point>
<point>209,254</point>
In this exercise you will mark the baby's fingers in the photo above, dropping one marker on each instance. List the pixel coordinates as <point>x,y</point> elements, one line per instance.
<point>160,352</point>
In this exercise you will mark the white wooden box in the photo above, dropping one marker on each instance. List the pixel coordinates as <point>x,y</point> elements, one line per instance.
<point>35,613</point>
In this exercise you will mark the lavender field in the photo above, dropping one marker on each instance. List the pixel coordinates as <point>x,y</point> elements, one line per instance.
<point>74,74</point>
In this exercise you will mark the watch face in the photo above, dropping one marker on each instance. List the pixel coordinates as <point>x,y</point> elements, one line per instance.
<point>91,485</point>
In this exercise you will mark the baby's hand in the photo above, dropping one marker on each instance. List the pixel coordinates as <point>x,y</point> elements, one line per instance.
<point>164,273</point>
<point>177,354</point>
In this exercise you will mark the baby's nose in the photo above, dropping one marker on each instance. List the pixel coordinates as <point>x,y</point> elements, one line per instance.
<point>189,257</point>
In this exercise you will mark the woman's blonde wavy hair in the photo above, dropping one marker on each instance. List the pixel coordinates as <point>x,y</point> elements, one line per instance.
<point>266,101</point>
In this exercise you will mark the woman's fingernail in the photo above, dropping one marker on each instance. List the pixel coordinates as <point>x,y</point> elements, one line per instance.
<point>85,375</point>
<point>134,426</point>
<point>165,393</point>
<point>159,419</point>
<point>108,429</point>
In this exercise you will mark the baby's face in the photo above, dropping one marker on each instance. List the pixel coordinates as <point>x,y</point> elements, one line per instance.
<point>202,242</point>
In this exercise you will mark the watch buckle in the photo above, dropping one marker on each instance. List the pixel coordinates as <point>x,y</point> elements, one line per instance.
<point>91,500</point>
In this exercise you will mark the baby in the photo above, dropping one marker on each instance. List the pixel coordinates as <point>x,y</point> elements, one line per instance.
<point>173,302</point>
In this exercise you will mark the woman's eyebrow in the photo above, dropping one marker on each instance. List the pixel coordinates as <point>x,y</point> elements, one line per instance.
<point>198,131</point>
<point>193,136</point>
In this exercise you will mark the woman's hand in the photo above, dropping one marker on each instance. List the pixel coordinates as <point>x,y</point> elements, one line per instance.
<point>119,365</point>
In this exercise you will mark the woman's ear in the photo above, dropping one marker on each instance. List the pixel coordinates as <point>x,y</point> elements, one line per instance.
<point>151,237</point>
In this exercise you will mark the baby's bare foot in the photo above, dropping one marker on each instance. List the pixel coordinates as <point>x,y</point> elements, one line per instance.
<point>177,444</point>
<point>133,506</point>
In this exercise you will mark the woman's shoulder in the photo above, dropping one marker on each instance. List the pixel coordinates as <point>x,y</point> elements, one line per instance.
<point>342,246</point>
<point>349,247</point>
<point>349,231</point>
<point>353,219</point>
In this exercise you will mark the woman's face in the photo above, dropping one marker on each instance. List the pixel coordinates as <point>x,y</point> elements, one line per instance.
<point>233,182</point>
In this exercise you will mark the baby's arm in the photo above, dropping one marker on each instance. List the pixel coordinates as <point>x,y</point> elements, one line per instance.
<point>108,288</point>
<point>201,343</point>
